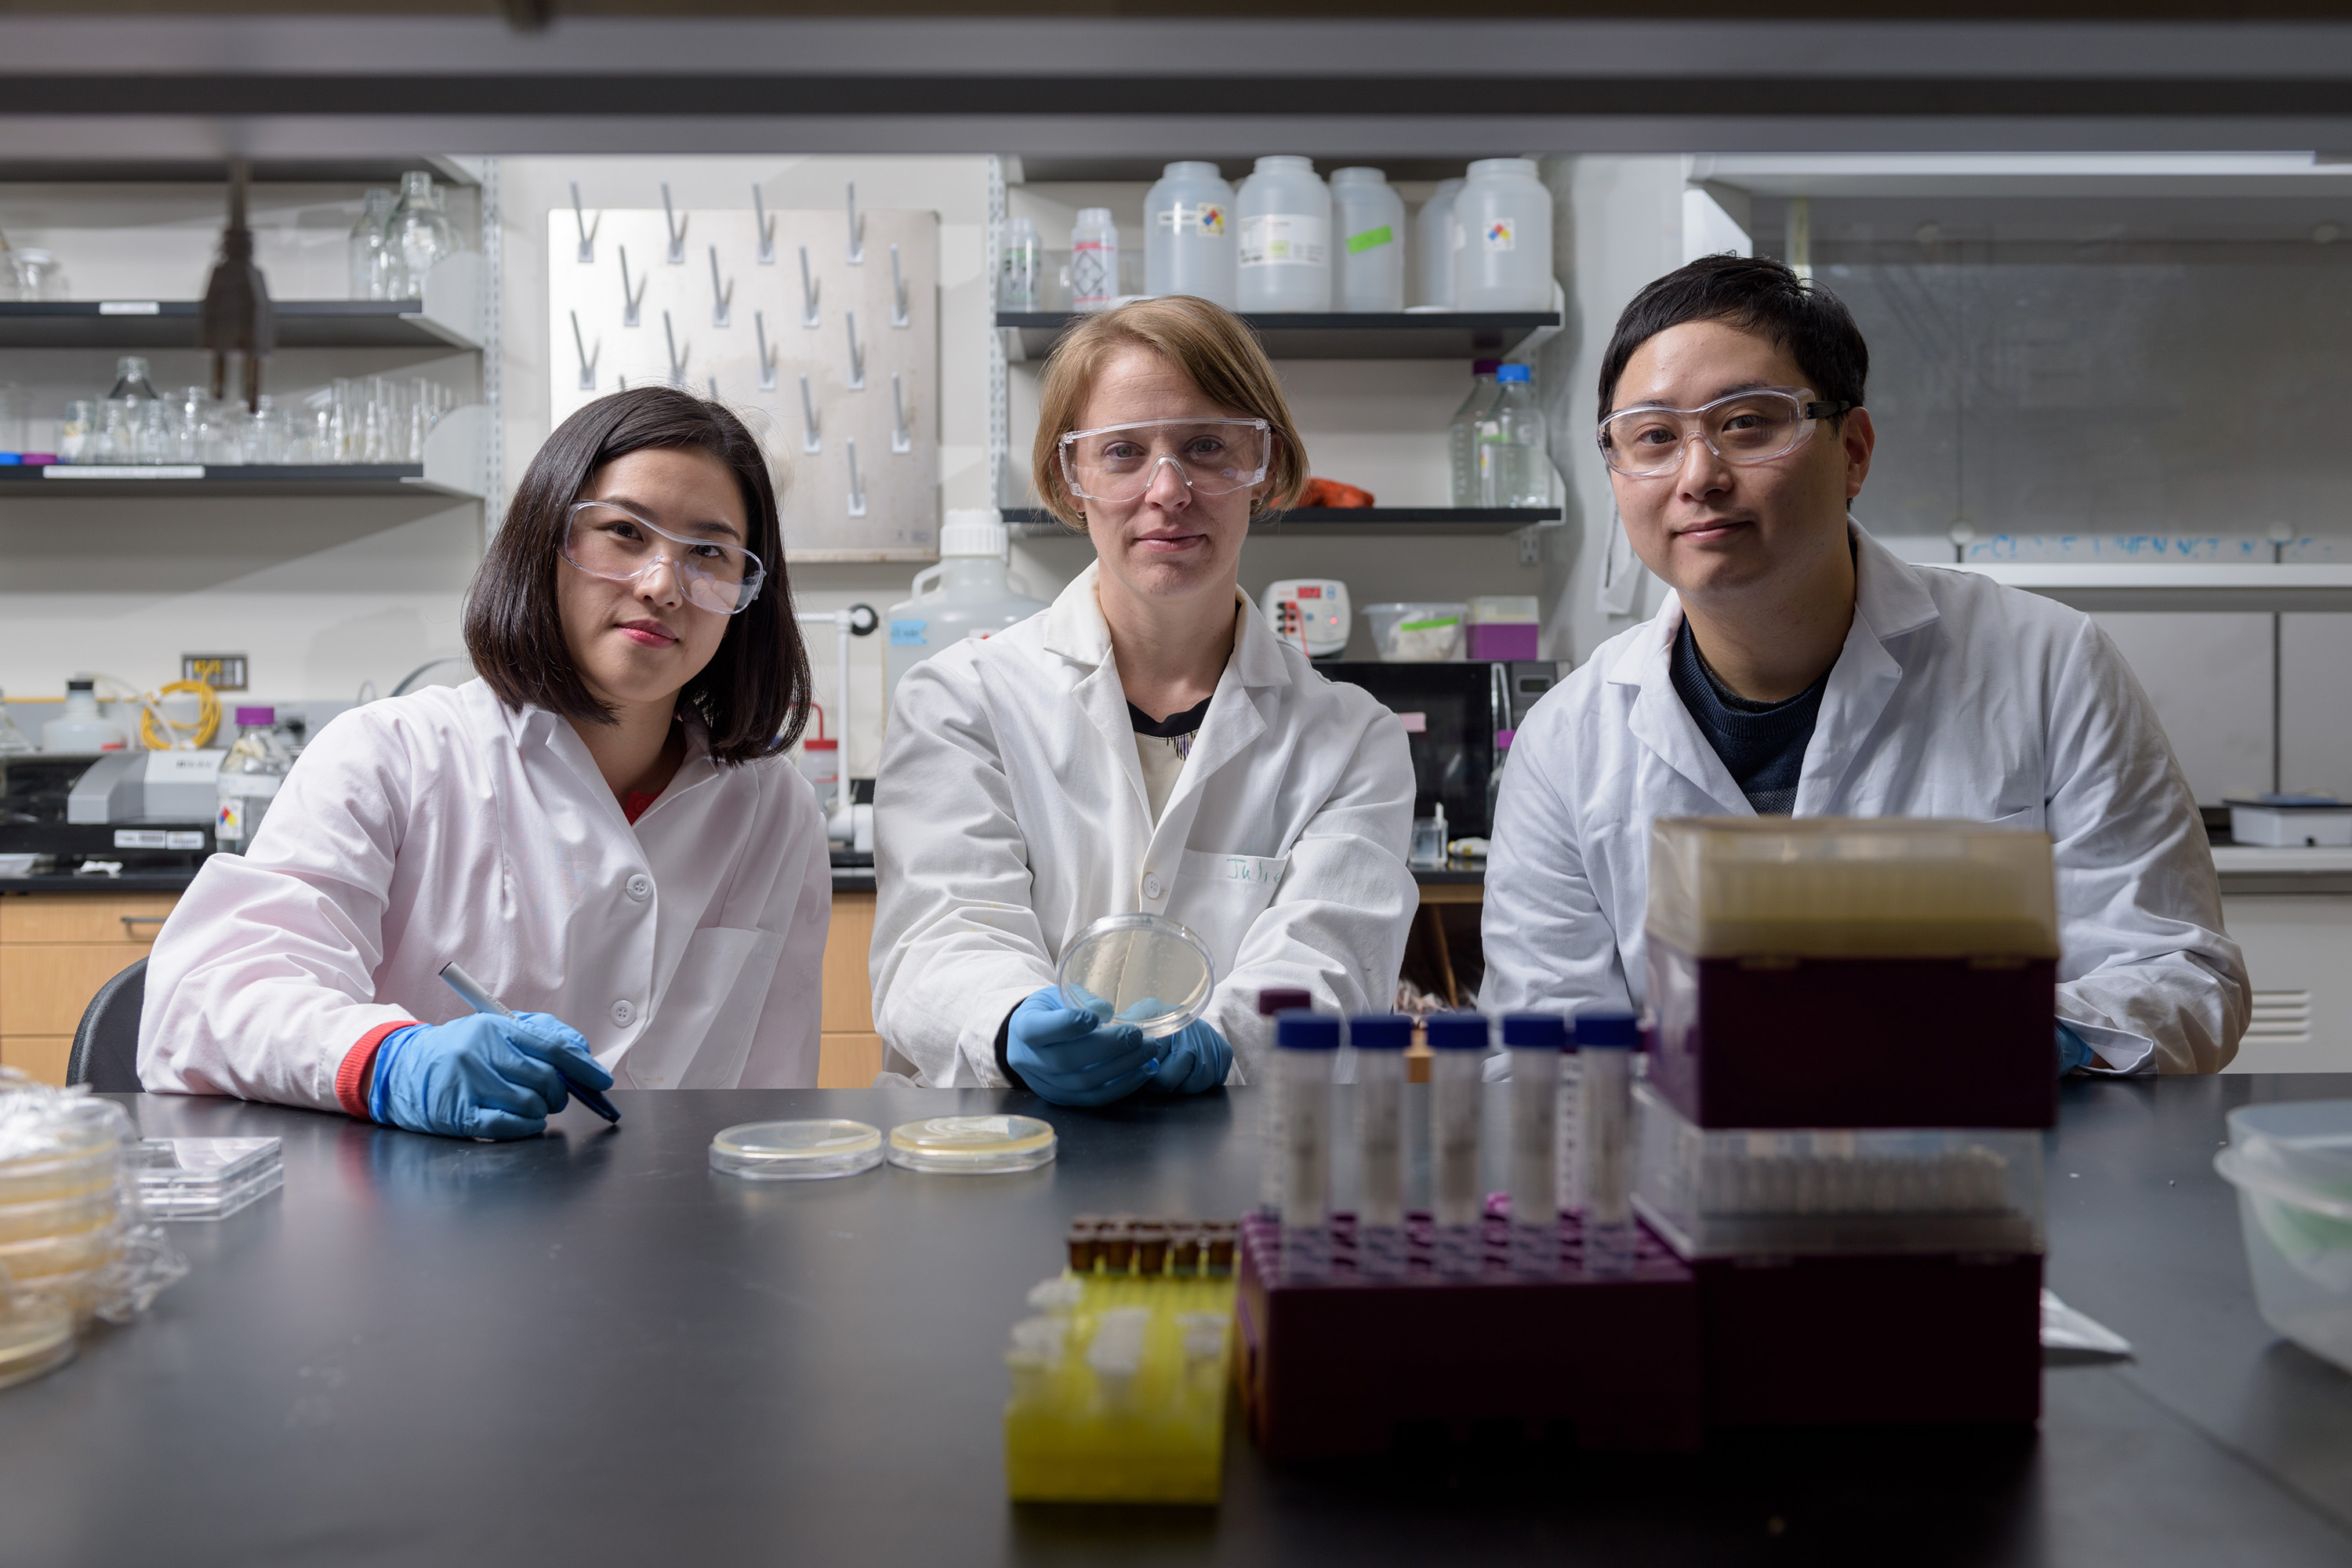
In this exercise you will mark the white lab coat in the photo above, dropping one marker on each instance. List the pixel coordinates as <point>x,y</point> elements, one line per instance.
<point>1952,697</point>
<point>1009,814</point>
<point>441,826</point>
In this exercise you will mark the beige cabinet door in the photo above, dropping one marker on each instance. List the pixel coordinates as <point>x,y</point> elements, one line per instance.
<point>55,951</point>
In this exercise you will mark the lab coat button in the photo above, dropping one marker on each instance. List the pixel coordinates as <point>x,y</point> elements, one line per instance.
<point>1151,887</point>
<point>622,1013</point>
<point>641,887</point>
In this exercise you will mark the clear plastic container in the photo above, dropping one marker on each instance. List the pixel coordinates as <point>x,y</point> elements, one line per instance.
<point>1304,1045</point>
<point>2291,1164</point>
<point>1462,433</point>
<point>1535,1042</point>
<point>1831,887</point>
<point>1140,969</point>
<point>1368,242</point>
<point>1380,1042</point>
<point>1457,1043</point>
<point>968,593</point>
<point>1093,260</point>
<point>971,1145</point>
<point>1188,234</point>
<point>255,767</point>
<point>796,1151</point>
<point>1433,249</point>
<point>70,1153</point>
<point>204,1178</point>
<point>1730,1192</point>
<point>1283,263</point>
<point>1502,236</point>
<point>37,1335</point>
<point>368,250</point>
<point>1024,263</point>
<point>1417,632</point>
<point>1512,470</point>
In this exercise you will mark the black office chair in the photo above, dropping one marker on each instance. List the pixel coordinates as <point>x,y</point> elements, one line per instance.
<point>106,1045</point>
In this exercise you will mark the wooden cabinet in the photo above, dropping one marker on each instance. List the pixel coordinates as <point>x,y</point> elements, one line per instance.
<point>55,951</point>
<point>850,1052</point>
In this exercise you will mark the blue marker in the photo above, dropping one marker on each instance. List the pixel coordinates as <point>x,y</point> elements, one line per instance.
<point>478,998</point>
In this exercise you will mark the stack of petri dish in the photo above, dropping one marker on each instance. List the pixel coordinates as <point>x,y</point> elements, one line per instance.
<point>61,1207</point>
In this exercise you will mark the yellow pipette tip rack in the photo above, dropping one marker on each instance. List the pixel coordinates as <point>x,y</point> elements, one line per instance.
<point>1118,1390</point>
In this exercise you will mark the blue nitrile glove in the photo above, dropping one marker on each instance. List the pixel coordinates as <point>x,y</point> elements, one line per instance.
<point>1194,1058</point>
<point>480,1076</point>
<point>2072,1051</point>
<point>1070,1056</point>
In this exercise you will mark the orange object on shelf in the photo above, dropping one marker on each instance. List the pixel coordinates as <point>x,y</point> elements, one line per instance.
<point>1333,493</point>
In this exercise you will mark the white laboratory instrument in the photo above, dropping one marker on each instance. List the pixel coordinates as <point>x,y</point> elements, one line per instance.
<point>1310,614</point>
<point>2291,821</point>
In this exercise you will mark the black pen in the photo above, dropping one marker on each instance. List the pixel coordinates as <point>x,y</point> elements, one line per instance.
<point>479,999</point>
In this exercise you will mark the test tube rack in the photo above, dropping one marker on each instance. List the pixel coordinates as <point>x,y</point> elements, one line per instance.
<point>1767,1042</point>
<point>1339,1365</point>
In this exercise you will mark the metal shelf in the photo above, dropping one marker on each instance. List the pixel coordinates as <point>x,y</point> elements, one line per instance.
<point>1446,335</point>
<point>193,479</point>
<point>2176,585</point>
<point>175,324</point>
<point>1325,523</point>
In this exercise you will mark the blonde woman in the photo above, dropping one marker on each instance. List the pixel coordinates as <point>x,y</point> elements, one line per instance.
<point>1146,744</point>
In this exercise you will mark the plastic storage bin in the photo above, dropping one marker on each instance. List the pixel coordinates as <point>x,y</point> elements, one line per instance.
<point>1188,234</point>
<point>1503,234</point>
<point>2292,1165</point>
<point>1739,1192</point>
<point>1368,242</point>
<point>1285,257</point>
<point>1417,632</point>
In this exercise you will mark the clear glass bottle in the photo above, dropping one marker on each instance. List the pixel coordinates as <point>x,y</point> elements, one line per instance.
<point>1513,470</point>
<point>417,235</point>
<point>1462,433</point>
<point>13,740</point>
<point>131,380</point>
<point>250,779</point>
<point>369,249</point>
<point>1093,260</point>
<point>1025,262</point>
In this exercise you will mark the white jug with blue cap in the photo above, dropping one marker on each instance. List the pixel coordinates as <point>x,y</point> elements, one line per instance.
<point>968,593</point>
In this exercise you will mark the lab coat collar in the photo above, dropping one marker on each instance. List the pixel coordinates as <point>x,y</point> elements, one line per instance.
<point>1891,599</point>
<point>533,727</point>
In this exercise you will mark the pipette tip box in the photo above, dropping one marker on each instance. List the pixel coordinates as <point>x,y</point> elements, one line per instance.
<point>1339,1365</point>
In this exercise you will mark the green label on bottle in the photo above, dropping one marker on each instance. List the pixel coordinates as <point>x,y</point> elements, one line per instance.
<point>1359,243</point>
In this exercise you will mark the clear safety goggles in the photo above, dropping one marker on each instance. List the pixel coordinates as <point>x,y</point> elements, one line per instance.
<point>1213,456</point>
<point>607,540</point>
<point>1745,427</point>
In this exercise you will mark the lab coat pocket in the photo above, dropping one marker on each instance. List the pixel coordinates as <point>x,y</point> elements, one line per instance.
<point>701,1036</point>
<point>1219,895</point>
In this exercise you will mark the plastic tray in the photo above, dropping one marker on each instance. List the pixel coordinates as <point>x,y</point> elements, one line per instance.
<point>973,1145</point>
<point>1729,1192</point>
<point>796,1151</point>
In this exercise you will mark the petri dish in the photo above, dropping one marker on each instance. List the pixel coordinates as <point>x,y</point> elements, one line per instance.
<point>37,1335</point>
<point>971,1145</point>
<point>33,1222</point>
<point>796,1151</point>
<point>1139,969</point>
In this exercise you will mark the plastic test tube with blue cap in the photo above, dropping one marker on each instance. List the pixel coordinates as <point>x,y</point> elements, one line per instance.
<point>1605,1042</point>
<point>478,998</point>
<point>1381,1040</point>
<point>1535,1041</point>
<point>1272,1001</point>
<point>1305,1046</point>
<point>1458,1044</point>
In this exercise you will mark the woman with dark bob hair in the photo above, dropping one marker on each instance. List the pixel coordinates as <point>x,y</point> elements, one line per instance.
<point>604,829</point>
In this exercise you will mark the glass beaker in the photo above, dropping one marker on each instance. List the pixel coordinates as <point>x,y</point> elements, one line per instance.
<point>118,431</point>
<point>159,436</point>
<point>77,431</point>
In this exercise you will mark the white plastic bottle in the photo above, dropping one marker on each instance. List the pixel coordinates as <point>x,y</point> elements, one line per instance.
<point>1024,263</point>
<point>821,766</point>
<point>249,777</point>
<point>80,729</point>
<point>968,593</point>
<point>1432,248</point>
<point>1188,234</point>
<point>1513,467</point>
<point>1462,434</point>
<point>1369,242</point>
<point>1093,260</point>
<point>1285,260</point>
<point>1503,225</point>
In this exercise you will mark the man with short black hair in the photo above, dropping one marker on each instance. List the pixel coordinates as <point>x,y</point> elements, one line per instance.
<point>1800,667</point>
